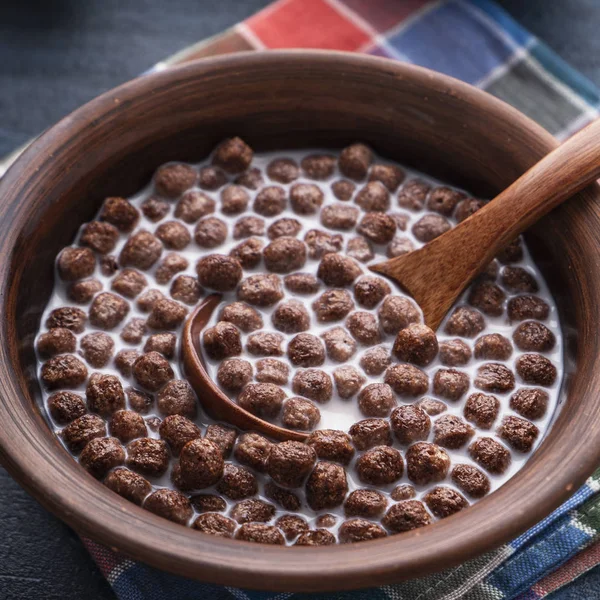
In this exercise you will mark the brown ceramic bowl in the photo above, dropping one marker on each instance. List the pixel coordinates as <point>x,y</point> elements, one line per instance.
<point>277,100</point>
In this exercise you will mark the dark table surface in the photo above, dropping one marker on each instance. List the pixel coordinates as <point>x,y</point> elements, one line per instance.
<point>56,55</point>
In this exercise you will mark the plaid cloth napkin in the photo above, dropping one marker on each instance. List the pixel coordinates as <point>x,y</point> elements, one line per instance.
<point>475,41</point>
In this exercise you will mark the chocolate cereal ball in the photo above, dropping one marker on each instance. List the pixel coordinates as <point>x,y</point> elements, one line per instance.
<point>410,424</point>
<point>313,384</point>
<point>452,432</point>
<point>396,313</point>
<point>210,232</point>
<point>211,178</point>
<point>134,331</point>
<point>290,462</point>
<point>224,437</point>
<point>58,340</point>
<point>493,346</point>
<point>148,299</point>
<point>360,249</point>
<point>204,503</point>
<point>339,216</point>
<point>140,401</point>
<point>155,209</point>
<point>403,492</point>
<point>495,377</point>
<point>339,345</point>
<point>283,170</point>
<point>337,270</point>
<point>390,175</point>
<point>407,380</point>
<point>65,407</point>
<point>177,397</point>
<point>244,317</point>
<point>253,451</point>
<point>164,343</point>
<point>104,394</point>
<point>63,371</point>
<point>270,201</point>
<point>364,327</point>
<point>399,246</point>
<point>284,254</point>
<point>148,456</point>
<point>375,361</point>
<point>300,414</point>
<point>517,279</point>
<point>129,485</point>
<point>320,243</point>
<point>129,283</point>
<point>530,403</point>
<point>100,455</point>
<point>284,227</point>
<point>332,305</point>
<point>284,498</point>
<point>291,317</point>
<point>233,374</point>
<point>482,410</point>
<point>354,161</point>
<point>466,208</point>
<point>152,371</point>
<point>465,322</point>
<point>412,194</point>
<point>454,353</point>
<point>450,384</point>
<point>233,155</point>
<point>416,344</point>
<point>234,200</point>
<point>369,504</point>
<point>248,226</point>
<point>348,381</point>
<point>532,336</point>
<point>169,266</point>
<point>67,317</point>
<point>186,289</point>
<point>108,310</point>
<point>193,206</point>
<point>380,466</point>
<point>76,263</point>
<point>369,291</point>
<point>406,516</point>
<point>261,290</point>
<point>318,166</point>
<point>471,480</point>
<point>490,454</point>
<point>359,530</point>
<point>265,343</point>
<point>326,486</point>
<point>262,399</point>
<point>426,463</point>
<point>169,504</point>
<point>172,180</point>
<point>215,524</point>
<point>343,189</point>
<point>373,197</point>
<point>429,227</point>
<point>332,445</point>
<point>82,292</point>
<point>141,250</point>
<point>237,483</point>
<point>271,370</point>
<point>292,526</point>
<point>173,235</point>
<point>100,237</point>
<point>301,283</point>
<point>248,253</point>
<point>377,227</point>
<point>370,433</point>
<point>376,400</point>
<point>487,297</point>
<point>177,431</point>
<point>536,369</point>
<point>260,534</point>
<point>200,465</point>
<point>444,501</point>
<point>443,200</point>
<point>252,510</point>
<point>120,213</point>
<point>306,350</point>
<point>126,425</point>
<point>518,433</point>
<point>166,314</point>
<point>79,432</point>
<point>306,198</point>
<point>124,360</point>
<point>222,341</point>
<point>521,308</point>
<point>431,406</point>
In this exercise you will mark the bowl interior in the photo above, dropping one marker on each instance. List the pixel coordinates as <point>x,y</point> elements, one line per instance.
<point>276,101</point>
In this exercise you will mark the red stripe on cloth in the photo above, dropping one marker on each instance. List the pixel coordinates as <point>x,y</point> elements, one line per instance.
<point>383,14</point>
<point>104,557</point>
<point>306,24</point>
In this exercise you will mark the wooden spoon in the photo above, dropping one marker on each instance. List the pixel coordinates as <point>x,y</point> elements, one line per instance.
<point>436,274</point>
<point>213,400</point>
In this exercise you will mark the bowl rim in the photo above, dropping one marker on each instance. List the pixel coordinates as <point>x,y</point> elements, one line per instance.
<point>232,562</point>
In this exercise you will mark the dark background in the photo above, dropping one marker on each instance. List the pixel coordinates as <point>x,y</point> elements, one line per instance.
<point>57,54</point>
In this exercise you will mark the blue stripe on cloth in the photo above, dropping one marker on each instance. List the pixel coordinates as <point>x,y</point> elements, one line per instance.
<point>505,22</point>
